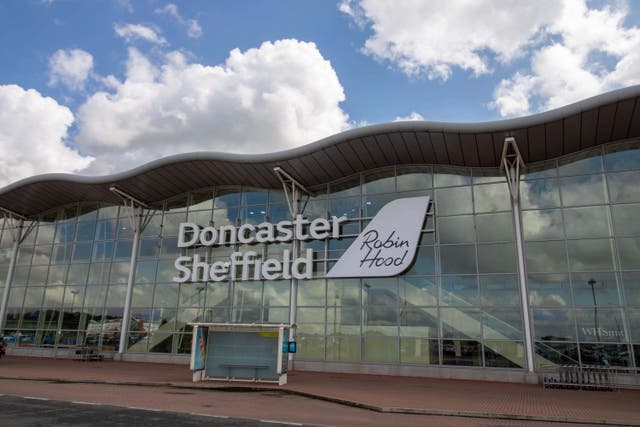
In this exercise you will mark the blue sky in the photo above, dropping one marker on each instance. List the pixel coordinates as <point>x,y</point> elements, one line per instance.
<point>97,87</point>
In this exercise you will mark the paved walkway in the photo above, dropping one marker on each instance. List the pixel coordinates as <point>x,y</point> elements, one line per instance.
<point>374,392</point>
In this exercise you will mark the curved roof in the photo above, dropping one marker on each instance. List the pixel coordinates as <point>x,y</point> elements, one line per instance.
<point>609,117</point>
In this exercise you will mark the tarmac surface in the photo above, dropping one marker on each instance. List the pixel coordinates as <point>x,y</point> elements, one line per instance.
<point>383,395</point>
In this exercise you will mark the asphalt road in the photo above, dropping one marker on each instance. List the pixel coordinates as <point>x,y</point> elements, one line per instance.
<point>30,412</point>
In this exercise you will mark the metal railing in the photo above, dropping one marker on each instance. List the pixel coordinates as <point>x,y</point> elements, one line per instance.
<point>591,377</point>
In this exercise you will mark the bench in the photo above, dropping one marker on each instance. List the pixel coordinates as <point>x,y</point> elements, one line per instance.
<point>231,366</point>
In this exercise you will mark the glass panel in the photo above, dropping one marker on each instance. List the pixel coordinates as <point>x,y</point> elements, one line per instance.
<point>201,200</point>
<point>540,170</point>
<point>349,207</point>
<point>632,287</point>
<point>343,292</point>
<point>459,259</point>
<point>462,353</point>
<point>276,293</point>
<point>500,354</point>
<point>549,289</point>
<point>497,258</point>
<point>492,197</point>
<point>585,255</point>
<point>85,231</point>
<point>379,349</point>
<point>345,349</point>
<point>601,325</point>
<point>217,294</point>
<point>460,322</point>
<point>82,251</point>
<point>453,201</point>
<point>595,289</point>
<point>38,275</point>
<point>105,229</point>
<point>501,324</point>
<point>447,176</point>
<point>310,347</point>
<point>499,290</point>
<point>418,291</point>
<point>543,224</point>
<point>583,163</point>
<point>311,292</point>
<point>629,252</point>
<point>380,181</point>
<point>372,204</point>
<point>419,322</point>
<point>554,325</point>
<point>546,257</point>
<point>539,194</point>
<point>419,351</point>
<point>550,354</point>
<point>625,219</point>
<point>424,262</point>
<point>587,222</point>
<point>606,355</point>
<point>582,190</point>
<point>413,178</point>
<point>227,197</point>
<point>456,229</point>
<point>346,187</point>
<point>633,315</point>
<point>495,227</point>
<point>623,156</point>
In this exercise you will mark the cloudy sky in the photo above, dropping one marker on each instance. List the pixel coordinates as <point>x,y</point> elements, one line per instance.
<point>96,87</point>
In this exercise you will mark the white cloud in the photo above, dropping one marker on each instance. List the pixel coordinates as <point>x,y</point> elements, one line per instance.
<point>594,53</point>
<point>33,129</point>
<point>432,37</point>
<point>192,26</point>
<point>280,95</point>
<point>130,32</point>
<point>70,68</point>
<point>411,117</point>
<point>572,50</point>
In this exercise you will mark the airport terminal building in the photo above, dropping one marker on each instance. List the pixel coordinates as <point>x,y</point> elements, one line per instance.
<point>526,254</point>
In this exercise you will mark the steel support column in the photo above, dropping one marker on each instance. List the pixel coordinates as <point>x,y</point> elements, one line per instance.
<point>292,191</point>
<point>138,222</point>
<point>512,163</point>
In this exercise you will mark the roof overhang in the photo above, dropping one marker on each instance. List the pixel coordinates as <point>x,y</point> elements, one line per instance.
<point>609,117</point>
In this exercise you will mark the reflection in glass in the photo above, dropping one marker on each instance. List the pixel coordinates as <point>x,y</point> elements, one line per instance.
<point>549,354</point>
<point>582,190</point>
<point>623,156</point>
<point>605,355</point>
<point>585,255</point>
<point>501,354</point>
<point>499,290</point>
<point>445,176</point>
<point>379,181</point>
<point>595,289</point>
<point>453,201</point>
<point>455,229</point>
<point>419,351</point>
<point>413,178</point>
<point>585,162</point>
<point>460,322</point>
<point>492,197</point>
<point>458,259</point>
<point>554,324</point>
<point>549,290</point>
<point>502,323</point>
<point>495,227</point>
<point>497,258</point>
<point>461,353</point>
<point>600,325</point>
<point>539,194</point>
<point>587,222</point>
<point>546,257</point>
<point>629,252</point>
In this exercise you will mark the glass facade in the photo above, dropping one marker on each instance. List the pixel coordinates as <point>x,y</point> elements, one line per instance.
<point>459,304</point>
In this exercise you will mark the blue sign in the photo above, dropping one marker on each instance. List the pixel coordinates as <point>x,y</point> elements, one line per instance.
<point>292,347</point>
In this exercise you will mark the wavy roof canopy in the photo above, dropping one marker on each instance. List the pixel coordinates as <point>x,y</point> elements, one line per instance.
<point>609,117</point>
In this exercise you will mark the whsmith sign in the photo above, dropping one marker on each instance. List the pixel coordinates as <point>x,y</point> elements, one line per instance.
<point>386,247</point>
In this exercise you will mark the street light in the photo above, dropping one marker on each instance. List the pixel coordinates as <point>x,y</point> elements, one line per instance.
<point>592,284</point>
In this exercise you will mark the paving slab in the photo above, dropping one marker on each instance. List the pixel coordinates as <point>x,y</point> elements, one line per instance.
<point>374,392</point>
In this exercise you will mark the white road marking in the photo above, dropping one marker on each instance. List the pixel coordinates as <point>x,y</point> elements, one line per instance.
<point>208,415</point>
<point>35,398</point>
<point>280,422</point>
<point>85,403</point>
